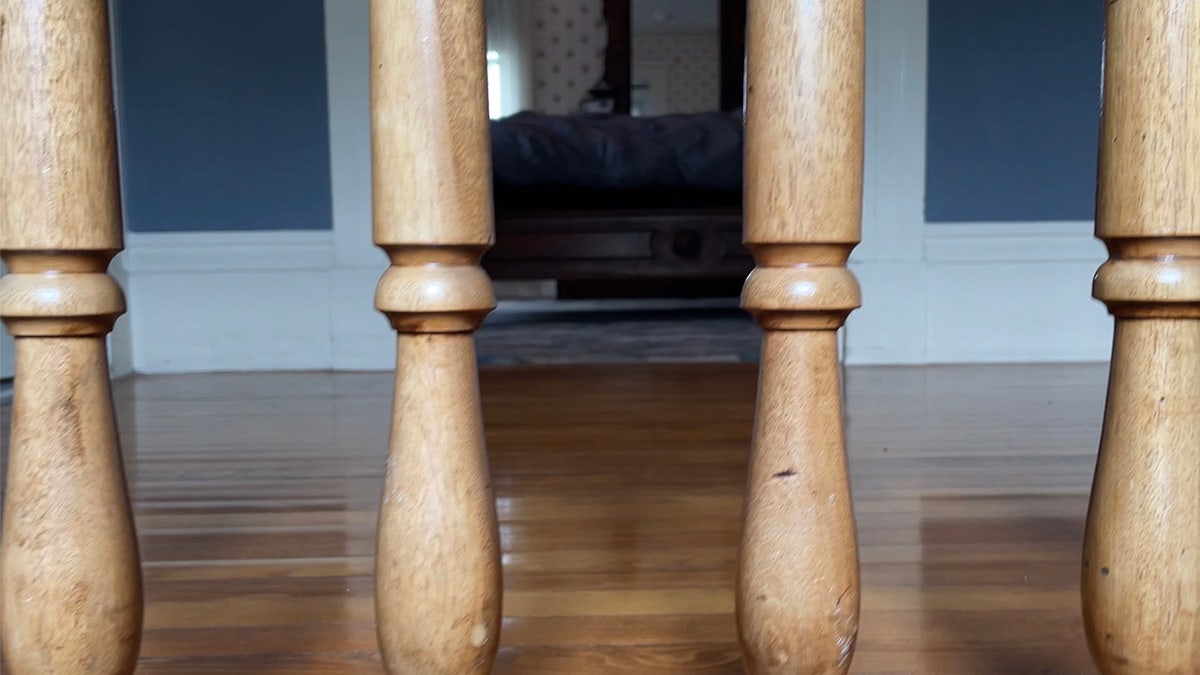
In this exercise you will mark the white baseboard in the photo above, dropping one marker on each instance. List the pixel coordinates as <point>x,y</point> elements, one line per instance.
<point>998,242</point>
<point>984,293</point>
<point>7,346</point>
<point>277,301</point>
<point>1014,292</point>
<point>229,301</point>
<point>230,321</point>
<point>362,337</point>
<point>191,252</point>
<point>120,341</point>
<point>889,328</point>
<point>1015,312</point>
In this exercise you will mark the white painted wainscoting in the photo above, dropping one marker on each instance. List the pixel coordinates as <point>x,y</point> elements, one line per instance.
<point>933,293</point>
<point>7,364</point>
<point>229,301</point>
<point>954,292</point>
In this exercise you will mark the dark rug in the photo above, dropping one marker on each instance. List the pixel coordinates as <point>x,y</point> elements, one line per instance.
<point>710,335</point>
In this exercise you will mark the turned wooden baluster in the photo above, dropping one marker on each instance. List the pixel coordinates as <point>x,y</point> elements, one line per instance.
<point>1141,559</point>
<point>437,570</point>
<point>69,568</point>
<point>797,594</point>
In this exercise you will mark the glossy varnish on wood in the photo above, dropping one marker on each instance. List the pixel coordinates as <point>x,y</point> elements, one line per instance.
<point>437,585</point>
<point>619,492</point>
<point>798,594</point>
<point>1141,561</point>
<point>70,602</point>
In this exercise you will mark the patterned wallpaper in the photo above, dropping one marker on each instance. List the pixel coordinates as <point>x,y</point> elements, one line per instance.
<point>569,37</point>
<point>691,65</point>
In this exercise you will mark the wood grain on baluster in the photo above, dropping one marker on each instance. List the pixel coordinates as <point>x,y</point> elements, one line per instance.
<point>438,562</point>
<point>71,596</point>
<point>798,587</point>
<point>1141,560</point>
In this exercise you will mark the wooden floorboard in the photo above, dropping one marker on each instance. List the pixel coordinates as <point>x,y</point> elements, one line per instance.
<point>619,490</point>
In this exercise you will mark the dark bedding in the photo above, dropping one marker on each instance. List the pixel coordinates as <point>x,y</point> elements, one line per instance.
<point>684,155</point>
<point>512,199</point>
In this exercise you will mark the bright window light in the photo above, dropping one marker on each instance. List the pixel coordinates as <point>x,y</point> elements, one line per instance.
<point>493,82</point>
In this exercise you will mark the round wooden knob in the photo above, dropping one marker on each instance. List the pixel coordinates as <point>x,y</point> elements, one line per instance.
<point>687,244</point>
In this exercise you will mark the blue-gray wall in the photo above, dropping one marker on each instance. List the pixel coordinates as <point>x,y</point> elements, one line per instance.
<point>223,115</point>
<point>1014,104</point>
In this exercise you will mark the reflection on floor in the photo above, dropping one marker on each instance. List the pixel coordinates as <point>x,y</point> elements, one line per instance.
<point>619,489</point>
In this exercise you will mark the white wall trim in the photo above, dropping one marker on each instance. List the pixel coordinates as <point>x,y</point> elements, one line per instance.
<point>266,300</point>
<point>348,71</point>
<point>894,131</point>
<point>1054,241</point>
<point>201,301</point>
<point>120,340</point>
<point>189,252</point>
<point>7,345</point>
<point>954,292</point>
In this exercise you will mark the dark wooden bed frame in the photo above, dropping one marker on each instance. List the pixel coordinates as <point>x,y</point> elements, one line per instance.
<point>594,252</point>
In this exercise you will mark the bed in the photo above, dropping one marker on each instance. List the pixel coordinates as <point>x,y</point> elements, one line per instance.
<point>614,197</point>
<point>610,204</point>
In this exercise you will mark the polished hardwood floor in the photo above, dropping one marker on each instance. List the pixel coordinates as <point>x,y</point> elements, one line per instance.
<point>619,490</point>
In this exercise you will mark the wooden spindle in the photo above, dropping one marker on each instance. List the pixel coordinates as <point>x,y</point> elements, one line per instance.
<point>69,568</point>
<point>437,591</point>
<point>797,593</point>
<point>1141,559</point>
